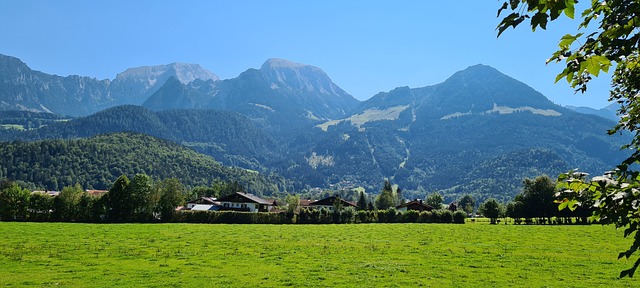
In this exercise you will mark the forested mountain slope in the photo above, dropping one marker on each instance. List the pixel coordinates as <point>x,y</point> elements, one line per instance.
<point>98,161</point>
<point>227,136</point>
<point>479,132</point>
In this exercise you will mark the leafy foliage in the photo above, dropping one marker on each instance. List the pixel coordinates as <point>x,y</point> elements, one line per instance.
<point>615,199</point>
<point>13,203</point>
<point>467,203</point>
<point>435,200</point>
<point>614,38</point>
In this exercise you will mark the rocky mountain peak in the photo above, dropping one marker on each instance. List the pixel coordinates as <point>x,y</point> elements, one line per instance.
<point>184,72</point>
<point>285,74</point>
<point>277,63</point>
<point>480,87</point>
<point>8,63</point>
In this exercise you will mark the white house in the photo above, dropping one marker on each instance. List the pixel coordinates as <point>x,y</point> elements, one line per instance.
<point>244,202</point>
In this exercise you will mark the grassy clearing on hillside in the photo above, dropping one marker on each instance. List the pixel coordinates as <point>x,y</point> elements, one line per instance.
<point>372,255</point>
<point>12,126</point>
<point>368,115</point>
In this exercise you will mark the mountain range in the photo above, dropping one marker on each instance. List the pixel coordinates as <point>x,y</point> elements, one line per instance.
<point>24,89</point>
<point>480,132</point>
<point>608,112</point>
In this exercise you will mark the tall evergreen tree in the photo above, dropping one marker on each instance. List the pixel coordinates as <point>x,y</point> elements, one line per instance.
<point>399,197</point>
<point>362,201</point>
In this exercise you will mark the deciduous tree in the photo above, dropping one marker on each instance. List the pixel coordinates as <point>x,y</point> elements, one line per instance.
<point>608,34</point>
<point>118,200</point>
<point>172,194</point>
<point>143,198</point>
<point>491,209</point>
<point>467,203</point>
<point>537,197</point>
<point>435,200</point>
<point>13,203</point>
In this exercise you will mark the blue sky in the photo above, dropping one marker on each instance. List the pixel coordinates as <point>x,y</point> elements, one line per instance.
<point>366,47</point>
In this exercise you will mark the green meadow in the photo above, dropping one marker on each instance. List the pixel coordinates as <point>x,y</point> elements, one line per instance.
<point>359,255</point>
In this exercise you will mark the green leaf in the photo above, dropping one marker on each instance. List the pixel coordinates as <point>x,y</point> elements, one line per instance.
<point>568,39</point>
<point>604,62</point>
<point>570,10</point>
<point>514,4</point>
<point>506,22</point>
<point>563,204</point>
<point>554,13</point>
<point>540,19</point>
<point>592,66</point>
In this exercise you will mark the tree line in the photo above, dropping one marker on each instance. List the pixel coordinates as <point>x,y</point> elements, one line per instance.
<point>138,200</point>
<point>536,204</point>
<point>143,199</point>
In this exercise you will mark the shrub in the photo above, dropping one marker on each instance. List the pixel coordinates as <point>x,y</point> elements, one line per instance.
<point>446,217</point>
<point>390,215</point>
<point>410,216</point>
<point>459,216</point>
<point>370,216</point>
<point>436,215</point>
<point>425,217</point>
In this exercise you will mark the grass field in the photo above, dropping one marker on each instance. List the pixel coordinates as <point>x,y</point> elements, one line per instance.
<point>363,255</point>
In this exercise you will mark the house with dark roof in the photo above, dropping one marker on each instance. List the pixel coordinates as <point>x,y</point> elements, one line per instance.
<point>416,205</point>
<point>330,202</point>
<point>244,202</point>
